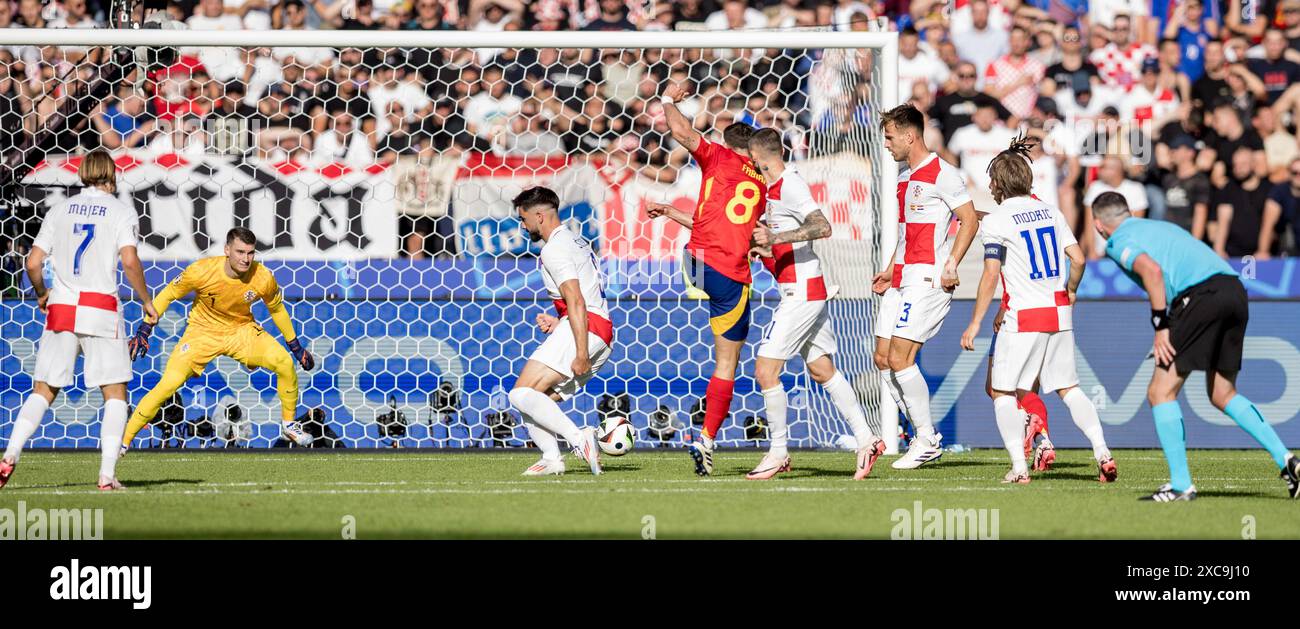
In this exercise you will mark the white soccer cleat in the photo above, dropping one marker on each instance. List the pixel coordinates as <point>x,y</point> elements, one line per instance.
<point>1016,478</point>
<point>122,450</point>
<point>771,465</point>
<point>920,452</point>
<point>702,454</point>
<point>545,467</point>
<point>586,449</point>
<point>293,432</point>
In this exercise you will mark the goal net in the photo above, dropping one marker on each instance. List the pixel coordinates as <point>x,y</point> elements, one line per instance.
<point>376,169</point>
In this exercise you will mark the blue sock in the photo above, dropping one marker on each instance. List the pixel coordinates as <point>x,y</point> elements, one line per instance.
<point>1173,440</point>
<point>1249,418</point>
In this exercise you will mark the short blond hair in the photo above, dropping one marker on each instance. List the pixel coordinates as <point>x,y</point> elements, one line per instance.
<point>98,169</point>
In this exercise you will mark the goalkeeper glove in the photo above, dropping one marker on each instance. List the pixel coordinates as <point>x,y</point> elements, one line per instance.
<point>301,354</point>
<point>139,343</point>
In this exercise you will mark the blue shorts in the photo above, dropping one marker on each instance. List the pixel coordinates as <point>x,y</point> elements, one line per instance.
<point>729,305</point>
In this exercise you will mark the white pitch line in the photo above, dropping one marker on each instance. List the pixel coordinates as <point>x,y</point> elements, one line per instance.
<point>517,491</point>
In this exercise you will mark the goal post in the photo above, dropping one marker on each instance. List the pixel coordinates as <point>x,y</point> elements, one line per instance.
<point>376,168</point>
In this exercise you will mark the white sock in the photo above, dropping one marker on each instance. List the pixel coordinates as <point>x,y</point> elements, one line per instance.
<point>895,393</point>
<point>846,400</point>
<point>1011,424</point>
<point>25,425</point>
<point>774,400</point>
<point>110,436</point>
<point>1084,414</point>
<point>545,441</point>
<point>546,413</point>
<point>916,399</point>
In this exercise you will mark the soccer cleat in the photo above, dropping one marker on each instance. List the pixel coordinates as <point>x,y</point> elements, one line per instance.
<point>1106,470</point>
<point>867,457</point>
<point>1016,478</point>
<point>587,451</point>
<point>6,470</point>
<point>920,452</point>
<point>1166,493</point>
<point>109,484</point>
<point>771,465</point>
<point>1290,473</point>
<point>703,456</point>
<point>293,432</point>
<point>1044,455</point>
<point>545,467</point>
<point>122,450</point>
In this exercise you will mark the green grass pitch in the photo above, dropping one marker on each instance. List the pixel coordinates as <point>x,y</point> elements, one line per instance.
<point>198,494</point>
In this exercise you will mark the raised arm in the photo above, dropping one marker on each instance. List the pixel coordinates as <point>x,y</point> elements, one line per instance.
<point>678,124</point>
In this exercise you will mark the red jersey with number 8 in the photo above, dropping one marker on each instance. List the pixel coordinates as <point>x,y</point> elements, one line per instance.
<point>732,194</point>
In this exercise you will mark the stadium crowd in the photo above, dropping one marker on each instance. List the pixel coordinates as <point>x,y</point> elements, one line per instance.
<point>1187,109</point>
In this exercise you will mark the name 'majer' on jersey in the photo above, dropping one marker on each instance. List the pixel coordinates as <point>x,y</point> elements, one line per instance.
<point>927,196</point>
<point>83,236</point>
<point>1032,236</point>
<point>566,257</point>
<point>795,265</point>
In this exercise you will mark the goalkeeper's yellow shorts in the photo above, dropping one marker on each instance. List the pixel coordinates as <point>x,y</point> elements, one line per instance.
<point>249,344</point>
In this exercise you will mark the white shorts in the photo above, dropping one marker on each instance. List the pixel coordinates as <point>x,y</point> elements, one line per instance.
<point>918,312</point>
<point>558,351</point>
<point>798,327</point>
<point>107,360</point>
<point>887,314</point>
<point>1020,358</point>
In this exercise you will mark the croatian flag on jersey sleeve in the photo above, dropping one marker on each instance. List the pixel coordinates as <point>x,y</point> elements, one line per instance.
<point>84,312</point>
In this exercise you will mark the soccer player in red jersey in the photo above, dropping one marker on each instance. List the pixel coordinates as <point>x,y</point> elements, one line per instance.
<point>732,192</point>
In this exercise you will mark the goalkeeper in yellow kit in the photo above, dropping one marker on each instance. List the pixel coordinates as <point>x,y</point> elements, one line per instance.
<point>221,324</point>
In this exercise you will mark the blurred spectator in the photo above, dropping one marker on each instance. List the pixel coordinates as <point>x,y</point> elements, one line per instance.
<point>1014,77</point>
<point>528,134</point>
<point>954,110</point>
<point>293,17</point>
<point>1227,134</point>
<point>393,82</point>
<point>915,64</point>
<point>981,43</point>
<point>1280,147</point>
<point>488,111</point>
<point>343,142</point>
<point>1186,188</point>
<point>975,145</point>
<point>1212,85</point>
<point>613,17</point>
<point>222,63</point>
<point>1074,71</point>
<point>1120,59</point>
<point>1148,102</point>
<point>1284,202</point>
<point>1110,14</point>
<point>1110,178</point>
<point>493,16</point>
<point>430,15</point>
<point>1277,72</point>
<point>1192,31</point>
<point>124,122</point>
<point>1244,223</point>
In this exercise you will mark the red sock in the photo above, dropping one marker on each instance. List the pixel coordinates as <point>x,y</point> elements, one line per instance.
<point>1034,405</point>
<point>717,404</point>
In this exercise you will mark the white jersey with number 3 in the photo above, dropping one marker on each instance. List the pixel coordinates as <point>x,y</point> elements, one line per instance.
<point>82,237</point>
<point>1032,236</point>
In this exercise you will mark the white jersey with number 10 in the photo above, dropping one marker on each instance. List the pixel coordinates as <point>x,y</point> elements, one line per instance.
<point>1033,237</point>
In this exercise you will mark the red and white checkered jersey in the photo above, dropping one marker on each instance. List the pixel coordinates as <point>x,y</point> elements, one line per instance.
<point>795,265</point>
<point>927,197</point>
<point>566,256</point>
<point>1121,67</point>
<point>82,236</point>
<point>1006,71</point>
<point>1033,237</point>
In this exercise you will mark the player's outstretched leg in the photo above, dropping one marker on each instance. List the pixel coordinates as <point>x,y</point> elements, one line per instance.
<point>172,379</point>
<point>541,410</point>
<point>870,447</point>
<point>25,425</point>
<point>1224,395</point>
<point>1084,414</point>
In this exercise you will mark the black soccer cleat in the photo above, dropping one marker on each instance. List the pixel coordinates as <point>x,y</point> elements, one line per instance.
<point>1291,474</point>
<point>1167,493</point>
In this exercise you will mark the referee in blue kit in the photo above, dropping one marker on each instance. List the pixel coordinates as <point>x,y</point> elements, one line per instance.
<point>1201,328</point>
